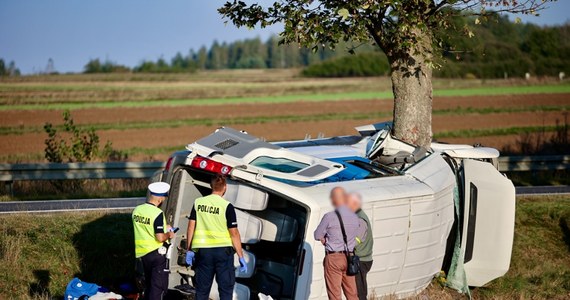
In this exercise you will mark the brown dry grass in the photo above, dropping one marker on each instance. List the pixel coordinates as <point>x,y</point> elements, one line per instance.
<point>75,189</point>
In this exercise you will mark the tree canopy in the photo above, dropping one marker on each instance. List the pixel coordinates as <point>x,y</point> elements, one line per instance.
<point>393,25</point>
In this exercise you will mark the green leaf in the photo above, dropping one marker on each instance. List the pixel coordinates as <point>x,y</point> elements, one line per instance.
<point>343,12</point>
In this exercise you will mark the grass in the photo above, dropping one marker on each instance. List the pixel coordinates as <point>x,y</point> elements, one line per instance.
<point>313,94</point>
<point>205,101</point>
<point>469,133</point>
<point>505,90</point>
<point>540,265</point>
<point>538,178</point>
<point>75,189</point>
<point>41,253</point>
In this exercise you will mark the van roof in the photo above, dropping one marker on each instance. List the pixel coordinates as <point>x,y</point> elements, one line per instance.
<point>300,163</point>
<point>311,168</point>
<point>237,148</point>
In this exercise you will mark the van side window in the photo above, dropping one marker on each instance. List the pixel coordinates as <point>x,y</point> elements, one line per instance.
<point>278,164</point>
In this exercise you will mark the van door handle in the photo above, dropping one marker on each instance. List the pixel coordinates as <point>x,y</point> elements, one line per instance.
<point>302,262</point>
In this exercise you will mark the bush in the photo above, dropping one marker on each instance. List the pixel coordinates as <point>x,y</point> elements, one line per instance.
<point>75,144</point>
<point>179,64</point>
<point>360,65</point>
<point>254,62</point>
<point>96,66</point>
<point>470,76</point>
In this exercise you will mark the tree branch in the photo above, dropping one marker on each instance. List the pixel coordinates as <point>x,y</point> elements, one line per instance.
<point>437,7</point>
<point>502,6</point>
<point>375,36</point>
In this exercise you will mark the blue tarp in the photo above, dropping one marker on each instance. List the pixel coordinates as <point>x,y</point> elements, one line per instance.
<point>350,172</point>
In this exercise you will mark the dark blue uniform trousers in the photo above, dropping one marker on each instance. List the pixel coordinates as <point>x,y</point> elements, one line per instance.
<point>210,262</point>
<point>156,277</point>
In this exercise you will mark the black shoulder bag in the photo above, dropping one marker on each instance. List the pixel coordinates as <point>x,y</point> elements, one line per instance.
<point>353,261</point>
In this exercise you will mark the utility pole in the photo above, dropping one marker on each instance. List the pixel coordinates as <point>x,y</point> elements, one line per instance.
<point>50,69</point>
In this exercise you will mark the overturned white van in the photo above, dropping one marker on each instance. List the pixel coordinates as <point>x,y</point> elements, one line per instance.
<point>422,204</point>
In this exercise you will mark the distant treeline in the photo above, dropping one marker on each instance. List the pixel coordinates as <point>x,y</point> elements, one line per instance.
<point>502,48</point>
<point>244,54</point>
<point>497,49</point>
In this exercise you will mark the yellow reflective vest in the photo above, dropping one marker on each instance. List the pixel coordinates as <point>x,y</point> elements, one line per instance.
<point>144,216</point>
<point>211,224</point>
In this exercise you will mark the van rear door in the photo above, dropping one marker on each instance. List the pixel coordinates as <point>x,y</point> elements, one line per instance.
<point>488,222</point>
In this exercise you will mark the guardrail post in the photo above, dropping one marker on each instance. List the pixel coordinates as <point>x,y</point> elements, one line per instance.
<point>9,188</point>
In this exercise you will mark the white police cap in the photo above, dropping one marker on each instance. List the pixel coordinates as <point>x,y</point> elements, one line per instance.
<point>159,189</point>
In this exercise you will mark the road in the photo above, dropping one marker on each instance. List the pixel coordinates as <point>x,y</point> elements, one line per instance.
<point>124,204</point>
<point>543,190</point>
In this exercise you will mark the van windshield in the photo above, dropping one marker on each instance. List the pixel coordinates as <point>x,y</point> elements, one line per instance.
<point>278,164</point>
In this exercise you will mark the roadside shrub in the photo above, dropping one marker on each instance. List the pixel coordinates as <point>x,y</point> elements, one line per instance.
<point>360,65</point>
<point>74,144</point>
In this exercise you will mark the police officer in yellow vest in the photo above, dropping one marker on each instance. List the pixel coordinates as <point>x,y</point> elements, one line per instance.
<point>151,233</point>
<point>214,237</point>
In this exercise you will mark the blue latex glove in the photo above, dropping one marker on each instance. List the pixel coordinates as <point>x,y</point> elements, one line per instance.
<point>190,257</point>
<point>242,265</point>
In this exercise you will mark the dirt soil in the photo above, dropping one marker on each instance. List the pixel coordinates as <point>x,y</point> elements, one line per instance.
<point>165,137</point>
<point>124,115</point>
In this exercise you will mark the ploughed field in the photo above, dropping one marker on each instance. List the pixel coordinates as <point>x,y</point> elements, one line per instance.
<point>149,116</point>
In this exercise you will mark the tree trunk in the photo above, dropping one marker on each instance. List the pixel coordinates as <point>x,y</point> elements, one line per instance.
<point>412,87</point>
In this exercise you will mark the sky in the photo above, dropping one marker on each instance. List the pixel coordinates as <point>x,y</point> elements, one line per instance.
<point>128,31</point>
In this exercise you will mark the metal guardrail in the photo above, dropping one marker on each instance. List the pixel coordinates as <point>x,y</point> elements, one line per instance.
<point>54,171</point>
<point>127,170</point>
<point>131,170</point>
<point>127,204</point>
<point>534,163</point>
